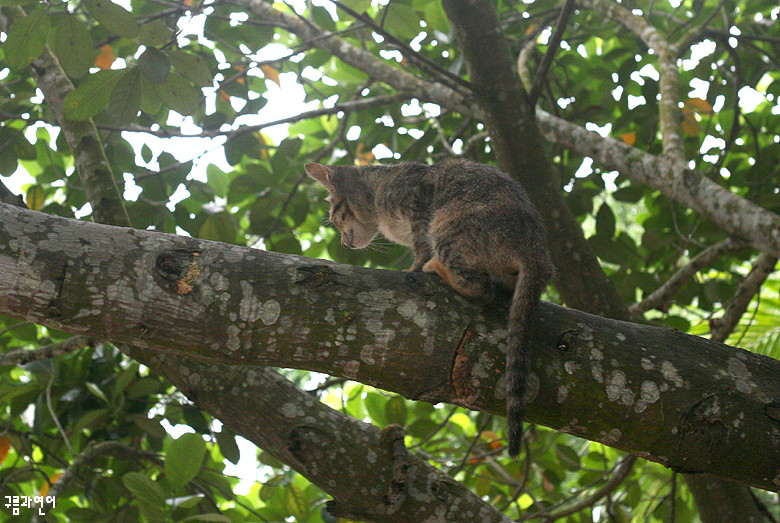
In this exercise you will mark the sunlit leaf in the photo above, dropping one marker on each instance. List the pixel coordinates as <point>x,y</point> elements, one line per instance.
<point>402,21</point>
<point>219,227</point>
<point>395,409</point>
<point>184,459</point>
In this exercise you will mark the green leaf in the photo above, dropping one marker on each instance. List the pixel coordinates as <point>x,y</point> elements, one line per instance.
<point>375,405</point>
<point>436,18</point>
<point>90,418</point>
<point>185,502</point>
<point>150,97</point>
<point>143,488</point>
<point>27,39</point>
<point>114,19</point>
<point>179,95</point>
<point>9,161</point>
<point>605,221</point>
<point>285,243</point>
<point>295,502</point>
<point>243,187</point>
<point>125,101</point>
<point>217,180</point>
<point>192,67</point>
<point>92,95</point>
<point>155,34</point>
<point>568,457</point>
<point>154,65</point>
<point>228,446</point>
<point>125,378</point>
<point>361,6</point>
<point>73,46</point>
<point>630,194</point>
<point>612,250</point>
<point>402,21</point>
<point>219,227</point>
<point>95,390</point>
<point>184,459</point>
<point>395,410</point>
<point>215,518</point>
<point>152,513</point>
<point>151,426</point>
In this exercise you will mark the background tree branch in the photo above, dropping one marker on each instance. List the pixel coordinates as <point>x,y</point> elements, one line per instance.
<point>322,444</point>
<point>521,152</point>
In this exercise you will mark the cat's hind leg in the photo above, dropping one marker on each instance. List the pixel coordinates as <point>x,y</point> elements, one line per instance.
<point>474,284</point>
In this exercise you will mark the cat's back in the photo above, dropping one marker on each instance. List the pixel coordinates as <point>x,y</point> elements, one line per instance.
<point>465,181</point>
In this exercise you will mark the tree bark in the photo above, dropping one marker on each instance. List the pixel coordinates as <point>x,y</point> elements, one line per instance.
<point>329,448</point>
<point>683,401</point>
<point>721,500</point>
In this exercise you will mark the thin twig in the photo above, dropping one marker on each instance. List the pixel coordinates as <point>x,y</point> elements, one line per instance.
<point>53,414</point>
<point>738,304</point>
<point>422,61</point>
<point>88,454</point>
<point>552,48</point>
<point>618,475</point>
<point>22,356</point>
<point>353,105</point>
<point>661,296</point>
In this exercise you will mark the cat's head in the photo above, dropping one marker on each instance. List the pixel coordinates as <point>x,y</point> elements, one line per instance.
<point>351,203</point>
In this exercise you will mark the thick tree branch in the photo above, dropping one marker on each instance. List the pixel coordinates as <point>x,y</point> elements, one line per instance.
<point>445,496</point>
<point>738,217</point>
<point>323,444</point>
<point>596,378</point>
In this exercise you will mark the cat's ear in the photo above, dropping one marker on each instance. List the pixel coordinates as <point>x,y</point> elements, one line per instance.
<point>321,173</point>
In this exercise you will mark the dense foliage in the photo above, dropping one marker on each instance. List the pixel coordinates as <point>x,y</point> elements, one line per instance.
<point>175,89</point>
